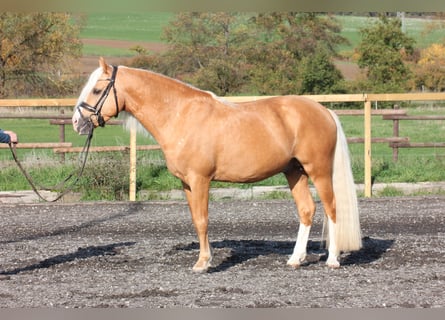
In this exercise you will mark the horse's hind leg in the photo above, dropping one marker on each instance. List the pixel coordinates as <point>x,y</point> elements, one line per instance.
<point>323,184</point>
<point>299,186</point>
<point>197,194</point>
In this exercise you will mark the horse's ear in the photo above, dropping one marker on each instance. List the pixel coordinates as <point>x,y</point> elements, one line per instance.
<point>105,67</point>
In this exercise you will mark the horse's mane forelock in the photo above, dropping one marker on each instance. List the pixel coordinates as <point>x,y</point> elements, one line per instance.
<point>89,85</point>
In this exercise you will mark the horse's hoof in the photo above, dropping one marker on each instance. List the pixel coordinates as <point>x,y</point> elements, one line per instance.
<point>333,264</point>
<point>294,265</point>
<point>200,270</point>
<point>201,267</point>
<point>296,260</point>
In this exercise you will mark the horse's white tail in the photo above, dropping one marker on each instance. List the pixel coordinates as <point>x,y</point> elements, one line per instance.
<point>348,234</point>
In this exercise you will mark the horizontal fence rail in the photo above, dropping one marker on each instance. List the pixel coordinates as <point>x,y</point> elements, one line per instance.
<point>40,145</point>
<point>395,115</point>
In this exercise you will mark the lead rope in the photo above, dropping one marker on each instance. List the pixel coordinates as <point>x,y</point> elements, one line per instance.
<point>84,152</point>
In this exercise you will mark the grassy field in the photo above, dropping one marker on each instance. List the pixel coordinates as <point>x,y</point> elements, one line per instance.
<point>140,27</point>
<point>414,164</point>
<point>145,26</point>
<point>148,26</point>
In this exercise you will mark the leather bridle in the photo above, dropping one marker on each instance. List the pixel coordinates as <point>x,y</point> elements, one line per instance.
<point>96,110</point>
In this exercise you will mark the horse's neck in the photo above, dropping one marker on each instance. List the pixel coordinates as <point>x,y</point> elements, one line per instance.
<point>155,101</point>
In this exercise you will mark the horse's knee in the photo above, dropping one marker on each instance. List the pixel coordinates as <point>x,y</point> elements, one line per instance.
<point>306,213</point>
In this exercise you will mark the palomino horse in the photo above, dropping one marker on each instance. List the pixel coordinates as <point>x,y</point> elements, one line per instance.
<point>206,138</point>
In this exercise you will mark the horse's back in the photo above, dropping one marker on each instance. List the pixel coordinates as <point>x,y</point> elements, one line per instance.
<point>265,135</point>
<point>307,119</point>
<point>290,103</point>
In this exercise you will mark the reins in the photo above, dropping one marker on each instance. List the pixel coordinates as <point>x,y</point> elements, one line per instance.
<point>95,111</point>
<point>62,184</point>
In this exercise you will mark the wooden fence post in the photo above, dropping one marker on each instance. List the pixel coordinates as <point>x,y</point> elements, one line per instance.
<point>62,136</point>
<point>395,133</point>
<point>367,155</point>
<point>132,195</point>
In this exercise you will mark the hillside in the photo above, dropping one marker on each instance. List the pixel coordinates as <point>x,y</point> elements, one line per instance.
<point>112,35</point>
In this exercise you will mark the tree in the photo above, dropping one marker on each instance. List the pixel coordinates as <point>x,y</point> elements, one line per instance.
<point>430,69</point>
<point>205,50</point>
<point>381,54</point>
<point>305,33</point>
<point>230,53</point>
<point>273,70</point>
<point>320,76</point>
<point>290,41</point>
<point>36,50</point>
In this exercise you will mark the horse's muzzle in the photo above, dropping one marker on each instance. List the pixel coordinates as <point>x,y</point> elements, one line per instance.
<point>81,124</point>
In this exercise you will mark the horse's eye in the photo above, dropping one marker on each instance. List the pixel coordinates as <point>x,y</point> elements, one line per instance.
<point>96,91</point>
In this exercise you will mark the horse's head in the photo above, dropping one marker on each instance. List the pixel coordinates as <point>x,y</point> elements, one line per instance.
<point>98,101</point>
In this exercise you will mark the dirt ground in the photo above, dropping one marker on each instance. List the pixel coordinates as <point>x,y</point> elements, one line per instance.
<point>140,254</point>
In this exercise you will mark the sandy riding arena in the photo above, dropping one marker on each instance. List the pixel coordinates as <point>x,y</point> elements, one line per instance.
<point>105,254</point>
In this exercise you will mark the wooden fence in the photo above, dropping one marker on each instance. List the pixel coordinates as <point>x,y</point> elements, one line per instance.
<point>367,113</point>
<point>405,143</point>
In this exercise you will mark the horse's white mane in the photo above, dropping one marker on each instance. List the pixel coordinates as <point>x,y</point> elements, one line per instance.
<point>220,99</point>
<point>130,122</point>
<point>213,95</point>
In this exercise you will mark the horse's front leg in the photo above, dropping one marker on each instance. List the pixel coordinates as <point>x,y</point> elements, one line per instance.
<point>197,193</point>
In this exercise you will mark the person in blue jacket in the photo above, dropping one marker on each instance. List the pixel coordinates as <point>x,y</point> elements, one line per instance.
<point>8,136</point>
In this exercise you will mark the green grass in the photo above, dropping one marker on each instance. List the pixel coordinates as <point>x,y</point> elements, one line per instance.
<point>140,27</point>
<point>145,26</point>
<point>41,131</point>
<point>414,164</point>
<point>350,30</point>
<point>96,50</point>
<point>415,28</point>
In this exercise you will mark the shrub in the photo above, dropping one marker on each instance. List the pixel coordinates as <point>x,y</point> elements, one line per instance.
<point>105,177</point>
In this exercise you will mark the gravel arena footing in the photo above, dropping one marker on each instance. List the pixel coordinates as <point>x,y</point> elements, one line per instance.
<point>140,254</point>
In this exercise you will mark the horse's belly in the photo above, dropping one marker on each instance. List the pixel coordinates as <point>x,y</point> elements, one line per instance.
<point>248,168</point>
